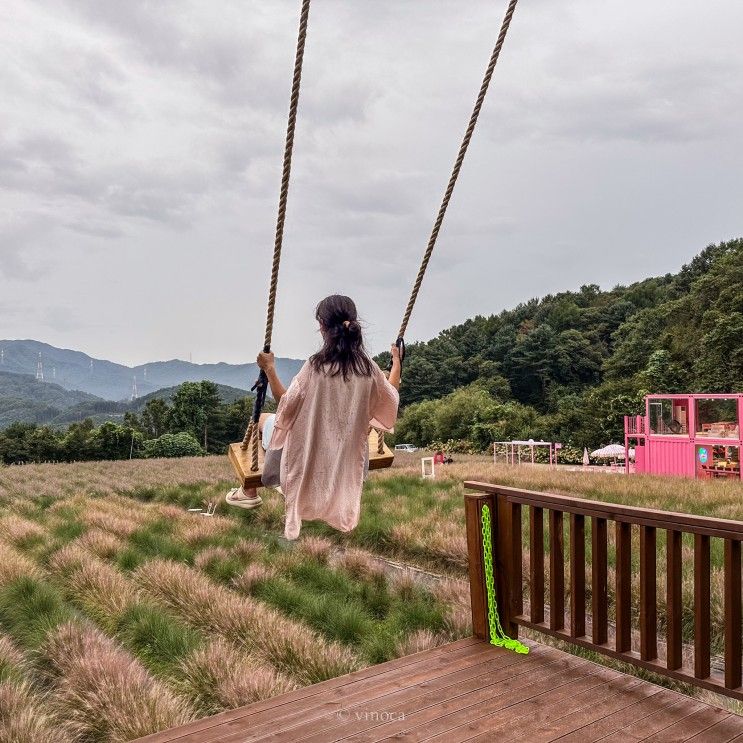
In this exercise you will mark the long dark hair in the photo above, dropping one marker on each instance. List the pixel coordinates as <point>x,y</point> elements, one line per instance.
<point>343,347</point>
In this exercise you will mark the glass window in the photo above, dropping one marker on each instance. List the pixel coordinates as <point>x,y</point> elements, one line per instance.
<point>718,418</point>
<point>718,461</point>
<point>669,417</point>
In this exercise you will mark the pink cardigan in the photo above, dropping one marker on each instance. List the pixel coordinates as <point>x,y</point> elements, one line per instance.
<point>322,423</point>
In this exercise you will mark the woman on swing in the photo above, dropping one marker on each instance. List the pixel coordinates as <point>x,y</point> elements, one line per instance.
<point>322,423</point>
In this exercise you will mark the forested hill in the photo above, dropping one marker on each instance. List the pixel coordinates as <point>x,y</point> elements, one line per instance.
<point>567,366</point>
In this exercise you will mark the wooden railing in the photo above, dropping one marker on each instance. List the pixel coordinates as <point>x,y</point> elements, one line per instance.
<point>510,507</point>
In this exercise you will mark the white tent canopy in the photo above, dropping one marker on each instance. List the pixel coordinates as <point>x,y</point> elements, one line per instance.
<point>613,451</point>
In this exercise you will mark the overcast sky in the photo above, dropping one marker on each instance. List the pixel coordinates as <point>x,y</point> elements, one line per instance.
<point>141,144</point>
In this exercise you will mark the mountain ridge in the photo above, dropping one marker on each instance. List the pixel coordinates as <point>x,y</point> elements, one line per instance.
<point>24,399</point>
<point>108,380</point>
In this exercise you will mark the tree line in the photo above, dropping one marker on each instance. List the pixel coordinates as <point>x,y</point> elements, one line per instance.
<point>564,368</point>
<point>196,421</point>
<point>569,366</point>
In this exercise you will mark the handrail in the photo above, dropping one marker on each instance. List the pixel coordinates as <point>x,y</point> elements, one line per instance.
<point>659,519</point>
<point>634,529</point>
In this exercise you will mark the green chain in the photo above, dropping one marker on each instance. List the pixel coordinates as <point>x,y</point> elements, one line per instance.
<point>497,636</point>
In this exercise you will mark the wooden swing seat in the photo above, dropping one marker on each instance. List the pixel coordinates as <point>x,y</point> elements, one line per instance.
<point>241,461</point>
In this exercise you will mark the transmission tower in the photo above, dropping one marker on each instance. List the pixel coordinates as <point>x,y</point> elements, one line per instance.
<point>2,356</point>
<point>135,395</point>
<point>39,369</point>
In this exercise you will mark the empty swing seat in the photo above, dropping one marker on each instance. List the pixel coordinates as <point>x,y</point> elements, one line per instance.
<point>241,461</point>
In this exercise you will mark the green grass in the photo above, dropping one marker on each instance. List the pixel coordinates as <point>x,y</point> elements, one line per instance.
<point>156,638</point>
<point>30,608</point>
<point>154,540</point>
<point>365,614</point>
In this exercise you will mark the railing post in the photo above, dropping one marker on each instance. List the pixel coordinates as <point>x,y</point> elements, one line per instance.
<point>505,569</point>
<point>473,503</point>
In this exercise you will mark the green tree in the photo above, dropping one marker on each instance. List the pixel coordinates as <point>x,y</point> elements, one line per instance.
<point>114,441</point>
<point>661,374</point>
<point>15,443</point>
<point>719,366</point>
<point>196,411</point>
<point>155,418</point>
<point>76,442</point>
<point>173,445</point>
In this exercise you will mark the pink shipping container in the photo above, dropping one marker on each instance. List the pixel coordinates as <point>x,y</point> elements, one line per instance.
<point>694,435</point>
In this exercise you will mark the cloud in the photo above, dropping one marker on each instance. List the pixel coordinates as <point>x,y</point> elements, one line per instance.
<point>19,238</point>
<point>141,151</point>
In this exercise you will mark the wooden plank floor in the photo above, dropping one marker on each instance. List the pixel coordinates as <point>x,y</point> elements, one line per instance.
<point>471,691</point>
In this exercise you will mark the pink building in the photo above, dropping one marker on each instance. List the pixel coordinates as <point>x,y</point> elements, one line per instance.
<point>688,435</point>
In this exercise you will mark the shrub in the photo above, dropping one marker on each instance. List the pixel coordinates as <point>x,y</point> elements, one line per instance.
<point>173,445</point>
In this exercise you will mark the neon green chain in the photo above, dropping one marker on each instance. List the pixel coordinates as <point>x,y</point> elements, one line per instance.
<point>497,636</point>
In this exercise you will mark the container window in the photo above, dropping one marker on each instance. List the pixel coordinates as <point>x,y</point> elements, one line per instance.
<point>717,418</point>
<point>669,417</point>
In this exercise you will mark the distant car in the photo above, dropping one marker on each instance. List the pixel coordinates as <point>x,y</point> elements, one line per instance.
<point>405,447</point>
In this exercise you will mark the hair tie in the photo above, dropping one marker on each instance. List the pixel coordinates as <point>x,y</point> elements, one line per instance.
<point>346,324</point>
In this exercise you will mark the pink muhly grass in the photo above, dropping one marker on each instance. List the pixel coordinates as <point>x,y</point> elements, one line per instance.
<point>25,716</point>
<point>360,564</point>
<point>289,646</point>
<point>17,530</point>
<point>109,478</point>
<point>11,658</point>
<point>200,529</point>
<point>218,677</point>
<point>252,576</point>
<point>100,543</point>
<point>249,549</point>
<point>171,512</point>
<point>121,527</point>
<point>317,548</point>
<point>15,565</point>
<point>452,591</point>
<point>419,641</point>
<point>100,590</point>
<point>209,555</point>
<point>404,584</point>
<point>68,558</point>
<point>455,594</point>
<point>458,621</point>
<point>447,540</point>
<point>102,692</point>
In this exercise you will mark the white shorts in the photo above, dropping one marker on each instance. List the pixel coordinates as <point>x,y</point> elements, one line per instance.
<point>268,430</point>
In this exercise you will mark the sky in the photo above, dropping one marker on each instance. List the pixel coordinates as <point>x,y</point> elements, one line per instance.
<point>141,146</point>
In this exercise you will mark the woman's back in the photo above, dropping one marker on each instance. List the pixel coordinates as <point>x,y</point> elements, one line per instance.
<point>323,420</point>
<point>322,425</point>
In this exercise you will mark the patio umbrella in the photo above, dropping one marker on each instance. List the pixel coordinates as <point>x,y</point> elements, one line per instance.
<point>613,451</point>
<point>586,460</point>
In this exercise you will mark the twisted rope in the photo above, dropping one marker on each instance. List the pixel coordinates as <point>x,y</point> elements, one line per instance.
<point>261,385</point>
<point>254,452</point>
<point>380,442</point>
<point>458,165</point>
<point>287,169</point>
<point>248,436</point>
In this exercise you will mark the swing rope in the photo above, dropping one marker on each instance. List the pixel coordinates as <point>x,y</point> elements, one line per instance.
<point>457,166</point>
<point>497,636</point>
<point>251,438</point>
<point>261,386</point>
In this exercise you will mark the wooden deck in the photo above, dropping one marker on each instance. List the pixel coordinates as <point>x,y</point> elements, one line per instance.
<point>471,691</point>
